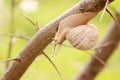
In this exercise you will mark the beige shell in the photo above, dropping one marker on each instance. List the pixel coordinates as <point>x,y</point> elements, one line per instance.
<point>83,37</point>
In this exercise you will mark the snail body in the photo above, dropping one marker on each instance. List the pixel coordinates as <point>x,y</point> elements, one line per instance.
<point>70,22</point>
<point>83,37</point>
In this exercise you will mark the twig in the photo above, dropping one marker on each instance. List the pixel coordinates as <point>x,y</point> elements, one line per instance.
<point>27,38</point>
<point>114,18</point>
<point>7,60</point>
<point>104,10</point>
<point>30,20</point>
<point>15,35</point>
<point>53,66</point>
<point>36,26</point>
<point>27,18</point>
<point>100,60</point>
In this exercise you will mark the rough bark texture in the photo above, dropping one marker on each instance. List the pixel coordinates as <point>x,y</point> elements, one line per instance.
<point>43,37</point>
<point>110,41</point>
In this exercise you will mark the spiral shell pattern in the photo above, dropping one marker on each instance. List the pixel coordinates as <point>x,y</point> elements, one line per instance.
<point>83,37</point>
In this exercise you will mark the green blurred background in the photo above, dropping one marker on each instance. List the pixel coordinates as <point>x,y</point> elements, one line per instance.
<point>68,60</point>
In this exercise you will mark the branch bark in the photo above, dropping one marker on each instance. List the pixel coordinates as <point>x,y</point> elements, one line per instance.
<point>93,67</point>
<point>44,36</point>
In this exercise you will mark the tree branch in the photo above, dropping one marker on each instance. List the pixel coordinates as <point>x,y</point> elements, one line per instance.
<point>44,36</point>
<point>93,67</point>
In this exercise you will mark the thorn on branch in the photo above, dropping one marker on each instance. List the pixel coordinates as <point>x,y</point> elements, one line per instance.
<point>36,26</point>
<point>104,9</point>
<point>114,18</point>
<point>49,59</point>
<point>103,46</point>
<point>31,21</point>
<point>7,60</point>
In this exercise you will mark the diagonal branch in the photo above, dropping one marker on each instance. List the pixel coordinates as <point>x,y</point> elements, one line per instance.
<point>44,36</point>
<point>93,67</point>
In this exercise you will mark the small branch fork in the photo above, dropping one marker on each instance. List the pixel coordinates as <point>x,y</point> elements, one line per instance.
<point>28,38</point>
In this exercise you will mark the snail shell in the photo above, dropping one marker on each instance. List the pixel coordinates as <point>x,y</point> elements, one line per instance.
<point>83,37</point>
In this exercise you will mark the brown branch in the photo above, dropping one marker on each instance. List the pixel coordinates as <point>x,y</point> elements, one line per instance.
<point>44,36</point>
<point>93,67</point>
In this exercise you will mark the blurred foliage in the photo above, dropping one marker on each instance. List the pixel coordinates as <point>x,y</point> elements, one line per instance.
<point>68,60</point>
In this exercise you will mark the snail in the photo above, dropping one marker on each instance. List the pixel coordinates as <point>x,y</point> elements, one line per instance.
<point>83,37</point>
<point>69,23</point>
